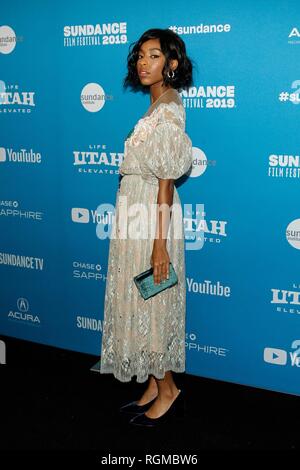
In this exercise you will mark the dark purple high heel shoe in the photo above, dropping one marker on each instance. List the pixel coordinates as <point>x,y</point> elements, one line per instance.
<point>176,410</point>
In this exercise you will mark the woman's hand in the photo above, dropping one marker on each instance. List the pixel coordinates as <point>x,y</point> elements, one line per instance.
<point>160,261</point>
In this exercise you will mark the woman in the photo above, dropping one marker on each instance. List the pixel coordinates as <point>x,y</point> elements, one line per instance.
<point>141,337</point>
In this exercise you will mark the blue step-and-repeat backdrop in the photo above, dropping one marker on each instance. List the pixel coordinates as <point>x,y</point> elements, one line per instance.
<point>64,118</point>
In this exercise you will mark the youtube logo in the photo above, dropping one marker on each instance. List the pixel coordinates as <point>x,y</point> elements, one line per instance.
<point>275,356</point>
<point>2,154</point>
<point>80,215</point>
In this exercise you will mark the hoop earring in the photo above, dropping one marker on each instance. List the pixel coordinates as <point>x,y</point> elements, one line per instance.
<point>168,74</point>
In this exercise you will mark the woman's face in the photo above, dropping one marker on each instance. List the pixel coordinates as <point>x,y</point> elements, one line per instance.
<point>150,62</point>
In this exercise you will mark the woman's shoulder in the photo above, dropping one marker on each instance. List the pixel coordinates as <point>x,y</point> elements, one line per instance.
<point>167,105</point>
<point>172,111</point>
<point>165,113</point>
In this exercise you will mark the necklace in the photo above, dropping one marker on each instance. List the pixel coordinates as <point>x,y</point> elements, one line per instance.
<point>150,107</point>
<point>162,95</point>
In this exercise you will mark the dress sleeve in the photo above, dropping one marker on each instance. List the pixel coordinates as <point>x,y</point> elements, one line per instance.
<point>169,151</point>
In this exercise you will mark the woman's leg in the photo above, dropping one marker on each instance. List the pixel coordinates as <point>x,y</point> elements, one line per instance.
<point>167,393</point>
<point>150,393</point>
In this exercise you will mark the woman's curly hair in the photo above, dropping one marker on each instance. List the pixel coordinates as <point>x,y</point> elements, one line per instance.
<point>172,47</point>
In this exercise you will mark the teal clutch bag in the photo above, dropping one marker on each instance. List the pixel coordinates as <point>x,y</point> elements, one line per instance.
<point>145,282</point>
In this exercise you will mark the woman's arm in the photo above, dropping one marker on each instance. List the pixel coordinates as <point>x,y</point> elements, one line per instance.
<point>160,258</point>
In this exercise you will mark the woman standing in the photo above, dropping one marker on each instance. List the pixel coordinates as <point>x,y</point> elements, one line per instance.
<point>146,338</point>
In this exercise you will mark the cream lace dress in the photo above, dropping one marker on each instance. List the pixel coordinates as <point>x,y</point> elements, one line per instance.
<point>142,337</point>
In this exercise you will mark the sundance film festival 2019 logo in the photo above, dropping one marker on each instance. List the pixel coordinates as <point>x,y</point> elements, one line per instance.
<point>284,166</point>
<point>105,34</point>
<point>209,97</point>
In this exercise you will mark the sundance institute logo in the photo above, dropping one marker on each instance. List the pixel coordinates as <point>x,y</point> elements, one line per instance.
<point>293,234</point>
<point>8,39</point>
<point>93,97</point>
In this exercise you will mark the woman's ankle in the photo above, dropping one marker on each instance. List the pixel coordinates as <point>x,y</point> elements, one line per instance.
<point>149,394</point>
<point>168,393</point>
<point>146,398</point>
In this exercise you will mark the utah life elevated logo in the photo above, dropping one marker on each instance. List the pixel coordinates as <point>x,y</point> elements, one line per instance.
<point>287,301</point>
<point>15,100</point>
<point>97,159</point>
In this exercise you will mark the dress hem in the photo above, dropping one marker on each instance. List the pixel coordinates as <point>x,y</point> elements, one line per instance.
<point>139,378</point>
